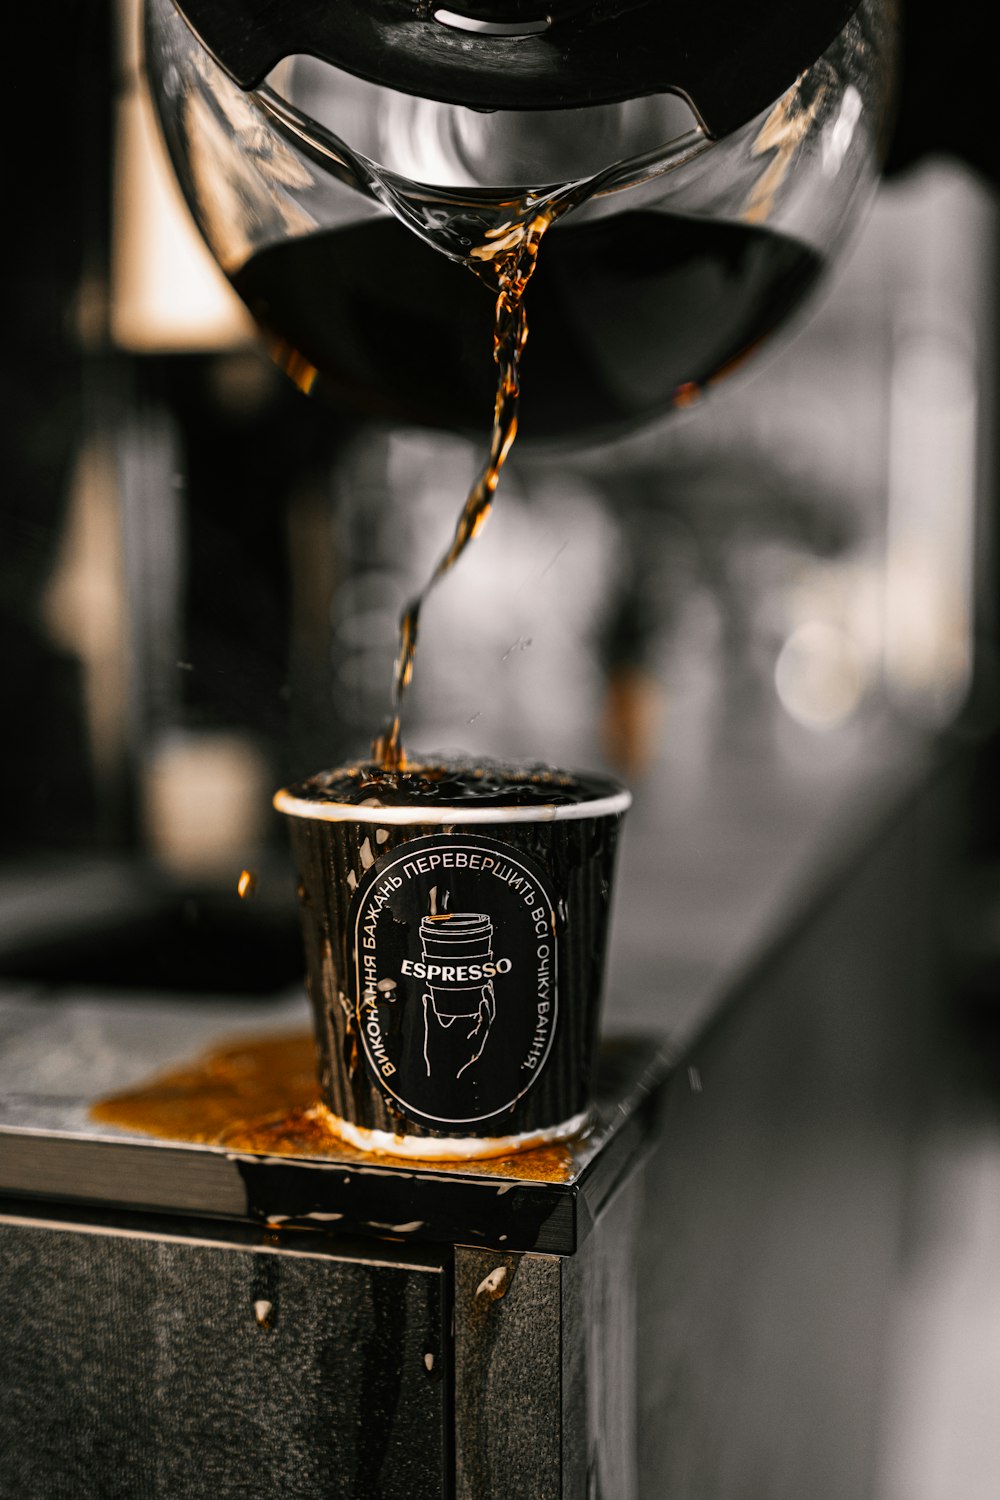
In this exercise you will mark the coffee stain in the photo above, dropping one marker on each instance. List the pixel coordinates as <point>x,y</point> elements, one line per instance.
<point>224,1090</point>
<point>260,1095</point>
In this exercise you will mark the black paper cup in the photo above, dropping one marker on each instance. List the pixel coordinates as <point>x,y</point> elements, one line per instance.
<point>455,959</point>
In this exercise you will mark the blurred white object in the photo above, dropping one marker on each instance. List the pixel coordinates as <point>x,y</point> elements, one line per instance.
<point>167,292</point>
<point>206,802</point>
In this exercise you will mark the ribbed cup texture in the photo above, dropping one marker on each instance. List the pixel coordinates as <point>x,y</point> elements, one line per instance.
<point>577,857</point>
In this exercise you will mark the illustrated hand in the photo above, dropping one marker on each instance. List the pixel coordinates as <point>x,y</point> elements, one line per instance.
<point>453,1043</point>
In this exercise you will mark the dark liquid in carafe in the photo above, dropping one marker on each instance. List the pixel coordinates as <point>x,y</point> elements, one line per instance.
<point>629,315</point>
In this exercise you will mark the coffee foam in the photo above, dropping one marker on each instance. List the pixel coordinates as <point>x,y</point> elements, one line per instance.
<point>451,792</point>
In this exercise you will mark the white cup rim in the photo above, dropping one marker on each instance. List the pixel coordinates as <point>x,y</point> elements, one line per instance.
<point>463,814</point>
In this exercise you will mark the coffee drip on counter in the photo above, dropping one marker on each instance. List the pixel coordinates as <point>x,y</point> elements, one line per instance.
<point>506,258</point>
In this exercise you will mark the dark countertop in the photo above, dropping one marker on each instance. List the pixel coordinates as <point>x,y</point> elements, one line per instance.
<point>60,1056</point>
<point>721,855</point>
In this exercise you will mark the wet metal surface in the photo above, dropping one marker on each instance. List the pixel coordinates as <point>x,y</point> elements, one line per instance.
<point>234,1129</point>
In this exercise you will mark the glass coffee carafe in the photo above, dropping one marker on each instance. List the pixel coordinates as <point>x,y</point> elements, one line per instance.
<point>358,221</point>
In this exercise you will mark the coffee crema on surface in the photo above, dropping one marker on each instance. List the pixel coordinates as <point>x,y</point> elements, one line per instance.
<point>446,783</point>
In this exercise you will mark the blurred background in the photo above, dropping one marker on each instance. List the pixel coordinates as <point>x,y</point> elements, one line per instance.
<point>754,612</point>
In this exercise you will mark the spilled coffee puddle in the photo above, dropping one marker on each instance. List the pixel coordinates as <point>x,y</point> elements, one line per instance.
<point>259,1095</point>
<point>219,1097</point>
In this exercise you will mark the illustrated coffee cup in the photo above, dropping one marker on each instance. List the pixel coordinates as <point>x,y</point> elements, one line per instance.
<point>455,925</point>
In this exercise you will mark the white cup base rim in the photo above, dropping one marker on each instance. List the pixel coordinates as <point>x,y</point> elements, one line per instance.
<point>452,1148</point>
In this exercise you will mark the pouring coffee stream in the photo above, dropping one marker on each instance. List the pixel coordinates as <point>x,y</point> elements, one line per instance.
<point>496,236</point>
<point>511,257</point>
<point>506,257</point>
